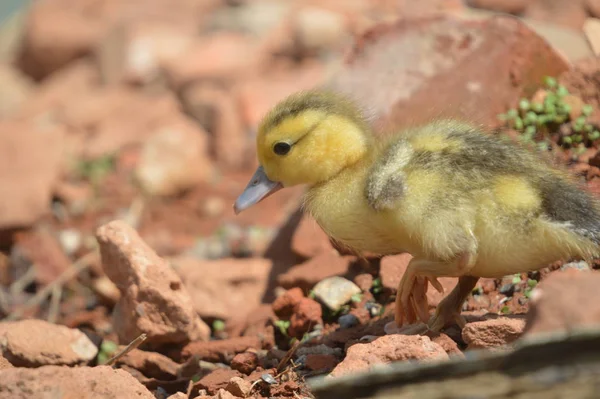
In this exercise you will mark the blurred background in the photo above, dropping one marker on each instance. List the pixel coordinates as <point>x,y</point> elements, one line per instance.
<point>146,111</point>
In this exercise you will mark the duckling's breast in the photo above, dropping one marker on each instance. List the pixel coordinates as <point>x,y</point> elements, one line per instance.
<point>340,207</point>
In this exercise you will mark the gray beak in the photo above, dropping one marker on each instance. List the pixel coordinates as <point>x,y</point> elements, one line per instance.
<point>259,188</point>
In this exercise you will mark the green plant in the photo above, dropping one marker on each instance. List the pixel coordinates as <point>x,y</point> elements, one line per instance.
<point>376,286</point>
<point>218,325</point>
<point>531,284</point>
<point>283,326</point>
<point>107,350</point>
<point>95,170</point>
<point>356,298</point>
<point>538,119</point>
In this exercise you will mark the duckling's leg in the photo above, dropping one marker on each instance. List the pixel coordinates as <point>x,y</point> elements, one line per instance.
<point>449,308</point>
<point>411,298</point>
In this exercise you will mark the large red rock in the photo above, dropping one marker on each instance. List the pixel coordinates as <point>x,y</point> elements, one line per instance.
<point>153,298</point>
<point>100,382</point>
<point>30,164</point>
<point>35,343</point>
<point>416,69</point>
<point>493,333</point>
<point>564,301</point>
<point>15,88</point>
<point>388,349</point>
<point>226,289</point>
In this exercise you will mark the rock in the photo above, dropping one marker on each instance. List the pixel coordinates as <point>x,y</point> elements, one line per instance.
<point>392,269</point>
<point>388,349</point>
<point>71,382</point>
<point>29,152</point>
<point>178,395</point>
<point>42,250</point>
<point>335,291</point>
<point>348,320</point>
<point>581,266</point>
<point>406,78</point>
<point>566,13</point>
<point>492,333</point>
<point>5,364</point>
<point>307,314</point>
<point>364,281</point>
<point>221,55</point>
<point>217,111</point>
<point>564,301</point>
<point>226,289</point>
<point>224,350</point>
<point>283,305</point>
<point>245,363</point>
<point>56,35</point>
<point>319,268</point>
<point>593,7</point>
<point>223,394</point>
<point>35,343</point>
<point>239,387</point>
<point>216,380</point>
<point>15,88</point>
<point>70,240</point>
<point>448,344</point>
<point>507,6</point>
<point>153,298</point>
<point>320,362</point>
<point>309,240</point>
<point>151,364</point>
<point>174,158</point>
<point>316,29</point>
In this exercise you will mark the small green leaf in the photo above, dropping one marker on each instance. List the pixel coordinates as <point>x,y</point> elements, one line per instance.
<point>587,110</point>
<point>516,279</point>
<point>218,325</point>
<point>530,118</point>
<point>524,104</point>
<point>550,82</point>
<point>562,91</point>
<point>567,140</point>
<point>564,109</point>
<point>519,123</point>
<point>283,326</point>
<point>531,283</point>
<point>356,298</point>
<point>595,135</point>
<point>577,138</point>
<point>512,113</point>
<point>505,310</point>
<point>537,107</point>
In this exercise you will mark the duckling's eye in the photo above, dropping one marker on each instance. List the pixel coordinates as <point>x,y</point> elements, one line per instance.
<point>282,148</point>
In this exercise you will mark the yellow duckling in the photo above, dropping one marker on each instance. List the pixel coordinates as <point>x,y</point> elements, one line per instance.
<point>463,203</point>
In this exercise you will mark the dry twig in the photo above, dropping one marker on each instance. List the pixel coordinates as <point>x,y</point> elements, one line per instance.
<point>132,345</point>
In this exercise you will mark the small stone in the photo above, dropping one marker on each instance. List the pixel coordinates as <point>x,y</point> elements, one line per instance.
<point>335,291</point>
<point>493,333</point>
<point>320,362</point>
<point>348,320</point>
<point>239,387</point>
<point>35,343</point>
<point>245,362</point>
<point>364,281</point>
<point>70,240</point>
<point>581,266</point>
<point>307,315</point>
<point>151,364</point>
<point>387,349</point>
<point>374,308</point>
<point>268,378</point>
<point>219,350</point>
<point>284,305</point>
<point>216,380</point>
<point>153,299</point>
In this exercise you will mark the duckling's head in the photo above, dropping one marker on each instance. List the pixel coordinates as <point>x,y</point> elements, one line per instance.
<point>308,138</point>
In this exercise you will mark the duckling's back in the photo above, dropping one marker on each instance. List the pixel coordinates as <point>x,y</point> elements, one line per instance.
<point>453,189</point>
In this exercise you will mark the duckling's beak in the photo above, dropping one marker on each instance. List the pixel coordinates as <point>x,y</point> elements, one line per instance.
<point>259,188</point>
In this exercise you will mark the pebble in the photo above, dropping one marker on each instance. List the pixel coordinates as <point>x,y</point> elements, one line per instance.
<point>581,266</point>
<point>335,291</point>
<point>347,321</point>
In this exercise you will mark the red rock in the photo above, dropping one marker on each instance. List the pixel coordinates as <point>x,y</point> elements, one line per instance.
<point>507,6</point>
<point>224,350</point>
<point>245,362</point>
<point>593,7</point>
<point>32,153</point>
<point>218,112</point>
<point>239,387</point>
<point>364,281</point>
<point>257,95</point>
<point>320,362</point>
<point>388,349</point>
<point>178,395</point>
<point>309,239</point>
<point>5,364</point>
<point>307,314</point>
<point>227,289</point>
<point>565,13</point>
<point>100,382</point>
<point>284,305</point>
<point>35,343</point>
<point>309,273</point>
<point>174,158</point>
<point>447,343</point>
<point>55,35</point>
<point>316,29</point>
<point>493,333</point>
<point>153,298</point>
<point>392,269</point>
<point>15,88</point>
<point>151,364</point>
<point>564,301</point>
<point>217,56</point>
<point>216,380</point>
<point>419,69</point>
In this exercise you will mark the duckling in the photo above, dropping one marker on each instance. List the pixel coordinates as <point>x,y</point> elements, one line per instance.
<point>463,203</point>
